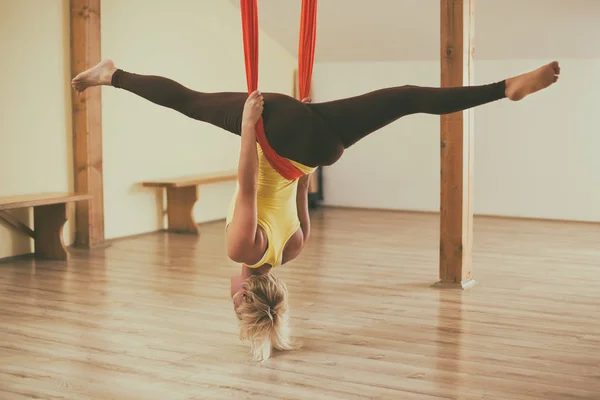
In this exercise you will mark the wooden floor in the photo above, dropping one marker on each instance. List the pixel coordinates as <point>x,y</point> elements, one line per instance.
<point>150,317</point>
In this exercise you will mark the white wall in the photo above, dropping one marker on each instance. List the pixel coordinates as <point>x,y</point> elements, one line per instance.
<point>198,44</point>
<point>35,103</point>
<point>537,158</point>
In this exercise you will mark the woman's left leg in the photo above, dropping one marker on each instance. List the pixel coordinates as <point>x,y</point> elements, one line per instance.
<point>354,118</point>
<point>223,109</point>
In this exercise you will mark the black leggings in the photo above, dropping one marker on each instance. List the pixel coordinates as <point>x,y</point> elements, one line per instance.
<point>311,134</point>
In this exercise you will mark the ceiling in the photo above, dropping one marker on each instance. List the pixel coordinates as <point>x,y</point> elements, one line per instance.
<point>388,30</point>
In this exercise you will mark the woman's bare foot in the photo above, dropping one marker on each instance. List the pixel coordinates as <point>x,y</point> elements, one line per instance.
<point>100,74</point>
<point>523,85</point>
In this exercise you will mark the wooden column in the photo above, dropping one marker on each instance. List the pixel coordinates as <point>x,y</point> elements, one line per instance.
<point>87,124</point>
<point>456,213</point>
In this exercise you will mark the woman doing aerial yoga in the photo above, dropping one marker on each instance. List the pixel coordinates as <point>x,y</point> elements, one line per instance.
<point>268,221</point>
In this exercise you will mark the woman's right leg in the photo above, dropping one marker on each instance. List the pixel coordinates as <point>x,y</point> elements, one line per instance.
<point>220,109</point>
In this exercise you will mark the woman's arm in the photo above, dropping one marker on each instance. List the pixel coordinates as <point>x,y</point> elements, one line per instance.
<point>302,206</point>
<point>248,162</point>
<point>302,200</point>
<point>245,243</point>
<point>299,239</point>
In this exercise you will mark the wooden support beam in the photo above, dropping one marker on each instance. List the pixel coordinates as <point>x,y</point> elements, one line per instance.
<point>180,209</point>
<point>49,221</point>
<point>87,124</point>
<point>456,212</point>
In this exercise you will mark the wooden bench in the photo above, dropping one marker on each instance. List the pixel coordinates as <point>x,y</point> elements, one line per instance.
<point>49,217</point>
<point>182,195</point>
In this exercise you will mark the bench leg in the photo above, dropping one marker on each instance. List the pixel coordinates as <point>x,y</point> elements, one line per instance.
<point>48,223</point>
<point>180,209</point>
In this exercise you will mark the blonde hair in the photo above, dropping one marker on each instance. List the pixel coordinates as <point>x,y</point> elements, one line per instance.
<point>263,315</point>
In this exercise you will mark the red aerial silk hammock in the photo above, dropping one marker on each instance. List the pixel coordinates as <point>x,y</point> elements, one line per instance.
<point>306,52</point>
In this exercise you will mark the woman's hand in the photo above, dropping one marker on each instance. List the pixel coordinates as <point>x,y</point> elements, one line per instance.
<point>253,108</point>
<point>306,100</point>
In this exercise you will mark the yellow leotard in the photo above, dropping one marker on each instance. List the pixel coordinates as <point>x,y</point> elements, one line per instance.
<point>276,205</point>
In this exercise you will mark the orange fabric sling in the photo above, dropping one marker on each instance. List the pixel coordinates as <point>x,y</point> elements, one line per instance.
<point>306,52</point>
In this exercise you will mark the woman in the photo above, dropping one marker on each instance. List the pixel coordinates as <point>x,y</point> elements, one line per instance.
<point>268,223</point>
